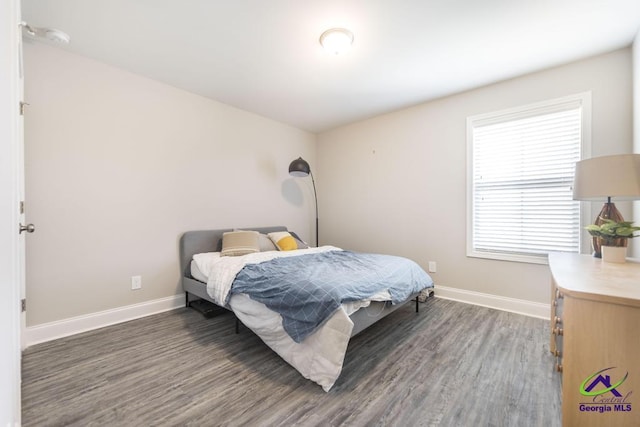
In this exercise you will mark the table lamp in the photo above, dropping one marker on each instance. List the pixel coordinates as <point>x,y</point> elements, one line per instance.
<point>604,178</point>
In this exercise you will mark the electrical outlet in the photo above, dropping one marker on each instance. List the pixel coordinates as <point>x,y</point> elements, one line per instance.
<point>432,267</point>
<point>136,282</point>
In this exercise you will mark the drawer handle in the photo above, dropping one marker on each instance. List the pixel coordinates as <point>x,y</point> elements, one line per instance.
<point>557,320</point>
<point>559,294</point>
<point>558,331</point>
<point>557,353</point>
<point>555,303</point>
<point>558,367</point>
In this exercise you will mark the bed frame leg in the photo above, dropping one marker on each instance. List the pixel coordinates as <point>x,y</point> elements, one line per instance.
<point>237,326</point>
<point>417,305</point>
<point>186,299</point>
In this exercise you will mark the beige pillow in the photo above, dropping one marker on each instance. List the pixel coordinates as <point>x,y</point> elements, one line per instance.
<point>264,242</point>
<point>236,243</point>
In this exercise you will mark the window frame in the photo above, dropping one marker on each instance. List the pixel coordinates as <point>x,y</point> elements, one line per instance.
<point>516,113</point>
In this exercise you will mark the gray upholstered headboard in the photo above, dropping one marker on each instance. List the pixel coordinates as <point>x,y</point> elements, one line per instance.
<point>199,241</point>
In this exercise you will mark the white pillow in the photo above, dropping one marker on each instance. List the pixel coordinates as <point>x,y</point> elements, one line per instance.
<point>283,240</point>
<point>266,244</point>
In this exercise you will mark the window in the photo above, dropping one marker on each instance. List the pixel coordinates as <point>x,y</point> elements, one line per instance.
<point>520,167</point>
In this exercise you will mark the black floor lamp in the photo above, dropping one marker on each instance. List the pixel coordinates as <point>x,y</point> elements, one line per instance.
<point>300,168</point>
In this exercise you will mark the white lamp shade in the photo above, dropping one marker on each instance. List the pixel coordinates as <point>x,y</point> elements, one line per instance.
<point>609,176</point>
<point>337,40</point>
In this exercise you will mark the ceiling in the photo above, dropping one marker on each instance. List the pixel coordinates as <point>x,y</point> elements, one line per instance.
<point>263,56</point>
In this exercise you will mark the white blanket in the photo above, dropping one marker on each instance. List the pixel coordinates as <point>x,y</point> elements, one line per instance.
<point>320,356</point>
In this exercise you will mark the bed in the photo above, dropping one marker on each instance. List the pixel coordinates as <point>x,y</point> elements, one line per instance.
<point>318,356</point>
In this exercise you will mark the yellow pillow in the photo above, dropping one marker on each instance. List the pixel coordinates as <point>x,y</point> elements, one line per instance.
<point>283,240</point>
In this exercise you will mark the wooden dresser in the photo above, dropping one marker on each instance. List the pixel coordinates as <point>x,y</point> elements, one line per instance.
<point>595,338</point>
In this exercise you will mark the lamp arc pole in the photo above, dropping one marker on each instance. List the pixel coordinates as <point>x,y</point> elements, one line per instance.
<point>300,168</point>
<point>315,196</point>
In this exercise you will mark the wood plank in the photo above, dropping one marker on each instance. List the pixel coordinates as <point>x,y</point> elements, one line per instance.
<point>451,364</point>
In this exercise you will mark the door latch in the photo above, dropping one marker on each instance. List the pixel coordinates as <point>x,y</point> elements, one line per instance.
<point>29,228</point>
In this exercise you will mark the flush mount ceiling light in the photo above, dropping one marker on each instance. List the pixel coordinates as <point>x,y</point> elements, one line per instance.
<point>337,40</point>
<point>51,34</point>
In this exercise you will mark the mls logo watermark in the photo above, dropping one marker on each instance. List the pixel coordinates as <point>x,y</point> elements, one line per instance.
<point>605,394</point>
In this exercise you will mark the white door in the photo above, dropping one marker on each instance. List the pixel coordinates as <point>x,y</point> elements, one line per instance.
<point>24,229</point>
<point>11,185</point>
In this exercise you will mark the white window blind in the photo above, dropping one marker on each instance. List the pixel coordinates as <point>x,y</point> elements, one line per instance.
<point>522,172</point>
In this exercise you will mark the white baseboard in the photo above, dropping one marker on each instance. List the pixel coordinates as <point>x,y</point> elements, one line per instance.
<point>74,325</point>
<point>513,305</point>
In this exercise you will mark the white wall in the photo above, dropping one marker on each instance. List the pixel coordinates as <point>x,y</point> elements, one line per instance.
<point>396,183</point>
<point>118,166</point>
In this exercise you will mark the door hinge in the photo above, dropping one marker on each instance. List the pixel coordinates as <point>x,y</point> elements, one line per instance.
<point>23,304</point>
<point>21,207</point>
<point>22,105</point>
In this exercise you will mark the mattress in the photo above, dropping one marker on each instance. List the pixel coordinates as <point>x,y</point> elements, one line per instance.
<point>197,274</point>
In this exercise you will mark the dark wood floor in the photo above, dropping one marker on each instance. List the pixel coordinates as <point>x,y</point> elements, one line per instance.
<point>452,365</point>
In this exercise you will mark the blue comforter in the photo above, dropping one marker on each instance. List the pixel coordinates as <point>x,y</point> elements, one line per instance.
<point>307,289</point>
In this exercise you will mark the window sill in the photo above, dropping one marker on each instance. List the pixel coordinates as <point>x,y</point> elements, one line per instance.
<point>529,259</point>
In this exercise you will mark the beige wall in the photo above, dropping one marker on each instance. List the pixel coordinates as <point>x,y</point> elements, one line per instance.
<point>118,166</point>
<point>397,183</point>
